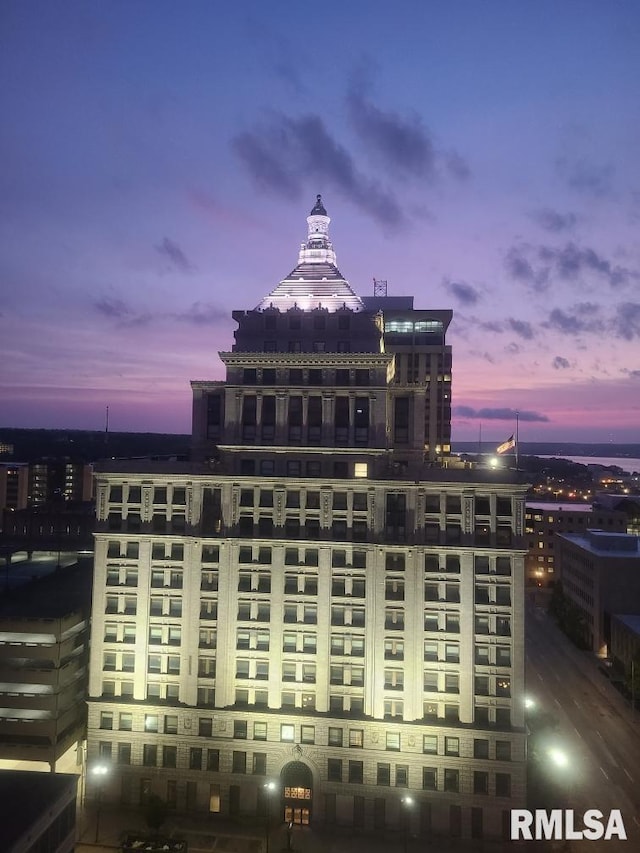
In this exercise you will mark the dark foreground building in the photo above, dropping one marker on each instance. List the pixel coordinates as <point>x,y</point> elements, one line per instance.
<point>322,598</point>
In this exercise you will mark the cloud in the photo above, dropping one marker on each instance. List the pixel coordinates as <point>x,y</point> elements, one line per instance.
<point>174,254</point>
<point>465,293</point>
<point>553,221</point>
<point>203,313</point>
<point>535,265</point>
<point>560,363</point>
<point>114,308</point>
<point>521,268</point>
<point>117,309</point>
<point>287,153</point>
<point>587,178</point>
<point>402,144</point>
<point>521,328</point>
<point>583,317</point>
<point>262,159</point>
<point>499,414</point>
<point>626,321</point>
<point>457,166</point>
<point>634,374</point>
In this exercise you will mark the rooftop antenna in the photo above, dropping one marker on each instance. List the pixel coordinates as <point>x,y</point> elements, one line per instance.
<point>379,286</point>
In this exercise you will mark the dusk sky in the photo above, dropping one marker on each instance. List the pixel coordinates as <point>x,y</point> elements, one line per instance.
<point>158,160</point>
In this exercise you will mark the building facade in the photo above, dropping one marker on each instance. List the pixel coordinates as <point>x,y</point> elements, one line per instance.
<point>322,597</point>
<point>44,634</point>
<point>601,576</point>
<point>544,520</point>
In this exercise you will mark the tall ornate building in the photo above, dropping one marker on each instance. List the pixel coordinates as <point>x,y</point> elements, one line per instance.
<point>321,598</point>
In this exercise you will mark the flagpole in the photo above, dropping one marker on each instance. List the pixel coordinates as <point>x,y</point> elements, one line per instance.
<point>517,437</point>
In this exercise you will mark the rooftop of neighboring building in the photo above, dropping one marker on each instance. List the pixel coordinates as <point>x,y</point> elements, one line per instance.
<point>51,596</point>
<point>567,506</point>
<point>602,543</point>
<point>26,797</point>
<point>629,620</point>
<point>382,470</point>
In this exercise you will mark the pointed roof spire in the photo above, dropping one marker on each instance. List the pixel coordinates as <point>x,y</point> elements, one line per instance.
<point>316,281</point>
<point>318,209</point>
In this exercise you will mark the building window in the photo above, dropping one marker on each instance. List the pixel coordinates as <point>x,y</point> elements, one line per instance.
<point>480,748</point>
<point>383,774</point>
<point>259,731</point>
<point>356,772</point>
<point>151,722</point>
<point>240,729</point>
<point>195,758</point>
<point>430,744</point>
<point>429,779</point>
<point>106,720</point>
<point>480,782</point>
<point>393,741</point>
<point>169,756</point>
<point>402,776</point>
<point>149,755</point>
<point>239,762</point>
<point>213,760</point>
<point>259,765</point>
<point>307,734</point>
<point>335,736</point>
<point>334,770</point>
<point>503,785</point>
<point>287,732</point>
<point>356,738</point>
<point>452,746</point>
<point>452,780</point>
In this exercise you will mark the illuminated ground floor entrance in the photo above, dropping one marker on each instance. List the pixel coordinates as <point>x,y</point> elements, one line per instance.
<point>297,793</point>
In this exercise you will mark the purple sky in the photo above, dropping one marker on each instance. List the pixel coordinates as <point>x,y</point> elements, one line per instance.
<point>158,160</point>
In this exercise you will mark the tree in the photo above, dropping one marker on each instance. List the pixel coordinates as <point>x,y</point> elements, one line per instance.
<point>155,812</point>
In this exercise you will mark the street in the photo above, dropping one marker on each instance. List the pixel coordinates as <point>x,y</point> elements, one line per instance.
<point>595,728</point>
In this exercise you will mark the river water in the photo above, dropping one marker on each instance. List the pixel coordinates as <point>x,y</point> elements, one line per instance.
<point>628,464</point>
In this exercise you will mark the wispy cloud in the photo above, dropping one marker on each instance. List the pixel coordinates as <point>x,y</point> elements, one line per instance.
<point>498,414</point>
<point>403,144</point>
<point>285,154</point>
<point>537,265</point>
<point>123,314</point>
<point>552,220</point>
<point>465,293</point>
<point>172,252</point>
<point>580,318</point>
<point>626,321</point>
<point>560,363</point>
<point>595,179</point>
<point>521,328</point>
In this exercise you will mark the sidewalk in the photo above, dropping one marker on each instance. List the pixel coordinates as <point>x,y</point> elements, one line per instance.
<point>218,835</point>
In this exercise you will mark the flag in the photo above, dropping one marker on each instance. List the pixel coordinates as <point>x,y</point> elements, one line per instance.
<point>509,444</point>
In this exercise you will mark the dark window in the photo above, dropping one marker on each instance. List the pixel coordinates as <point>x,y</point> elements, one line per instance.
<point>334,770</point>
<point>383,774</point>
<point>239,762</point>
<point>356,771</point>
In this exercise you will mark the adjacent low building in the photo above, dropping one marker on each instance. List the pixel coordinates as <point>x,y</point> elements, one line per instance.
<point>601,577</point>
<point>544,520</point>
<point>38,812</point>
<point>44,633</point>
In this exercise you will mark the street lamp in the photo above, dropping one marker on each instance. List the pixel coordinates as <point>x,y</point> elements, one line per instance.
<point>407,803</point>
<point>99,772</point>
<point>558,756</point>
<point>269,789</point>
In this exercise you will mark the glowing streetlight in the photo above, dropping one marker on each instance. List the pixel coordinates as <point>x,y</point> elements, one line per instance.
<point>99,773</point>
<point>558,756</point>
<point>407,803</point>
<point>269,788</point>
<point>529,703</point>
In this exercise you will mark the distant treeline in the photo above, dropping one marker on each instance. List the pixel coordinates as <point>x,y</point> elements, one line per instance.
<point>88,446</point>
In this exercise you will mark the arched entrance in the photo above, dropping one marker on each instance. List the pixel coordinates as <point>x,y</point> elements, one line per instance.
<point>297,793</point>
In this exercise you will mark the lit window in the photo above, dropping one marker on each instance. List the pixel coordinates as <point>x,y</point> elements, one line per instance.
<point>361,469</point>
<point>287,732</point>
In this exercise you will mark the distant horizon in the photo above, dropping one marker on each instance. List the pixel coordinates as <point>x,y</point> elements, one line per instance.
<point>472,442</point>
